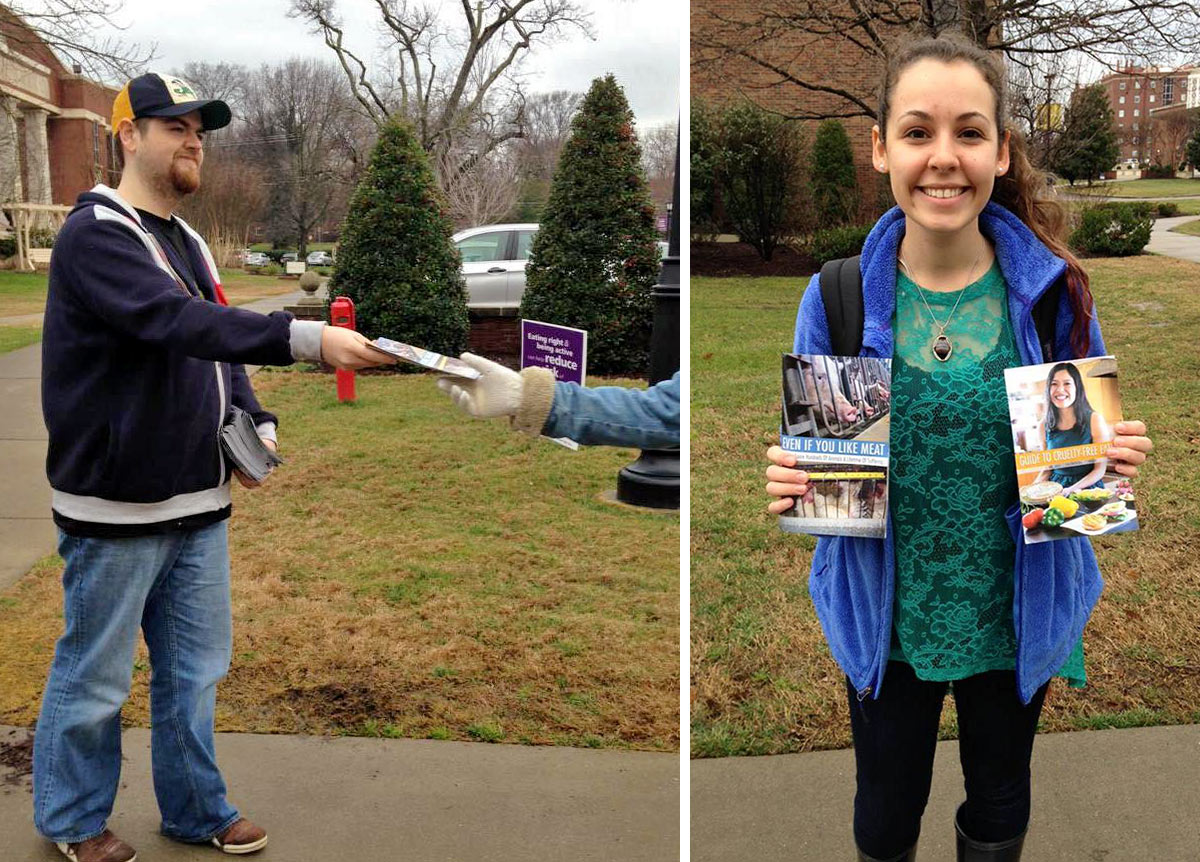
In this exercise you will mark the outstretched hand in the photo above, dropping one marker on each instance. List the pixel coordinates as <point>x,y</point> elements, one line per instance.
<point>497,391</point>
<point>346,349</point>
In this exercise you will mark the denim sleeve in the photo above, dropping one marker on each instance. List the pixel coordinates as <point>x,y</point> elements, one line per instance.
<point>615,416</point>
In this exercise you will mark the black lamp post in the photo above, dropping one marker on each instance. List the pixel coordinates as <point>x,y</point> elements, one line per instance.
<point>653,479</point>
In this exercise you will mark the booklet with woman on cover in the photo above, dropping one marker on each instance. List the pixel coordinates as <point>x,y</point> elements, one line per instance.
<point>836,419</point>
<point>1062,418</point>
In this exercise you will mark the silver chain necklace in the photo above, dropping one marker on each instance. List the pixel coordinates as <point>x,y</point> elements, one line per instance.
<point>941,345</point>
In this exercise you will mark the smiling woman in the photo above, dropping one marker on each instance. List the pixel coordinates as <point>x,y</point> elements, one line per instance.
<point>949,279</point>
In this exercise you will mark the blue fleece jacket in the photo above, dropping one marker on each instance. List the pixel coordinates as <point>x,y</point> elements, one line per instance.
<point>138,372</point>
<point>1056,584</point>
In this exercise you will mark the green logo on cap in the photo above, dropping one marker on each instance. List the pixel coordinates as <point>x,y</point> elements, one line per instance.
<point>180,91</point>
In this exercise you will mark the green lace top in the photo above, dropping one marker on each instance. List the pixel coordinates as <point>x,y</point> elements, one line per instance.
<point>952,479</point>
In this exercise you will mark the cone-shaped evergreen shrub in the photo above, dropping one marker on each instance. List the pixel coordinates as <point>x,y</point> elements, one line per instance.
<point>395,259</point>
<point>594,261</point>
<point>832,176</point>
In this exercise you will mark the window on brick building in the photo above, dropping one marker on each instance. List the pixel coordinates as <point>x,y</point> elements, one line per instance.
<point>1137,100</point>
<point>1154,85</point>
<point>96,143</point>
<point>1122,85</point>
<point>1168,91</point>
<point>1120,115</point>
<point>1121,100</point>
<point>1137,85</point>
<point>1151,98</point>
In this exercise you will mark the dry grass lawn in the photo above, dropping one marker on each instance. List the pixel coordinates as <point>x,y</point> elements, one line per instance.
<point>762,677</point>
<point>411,573</point>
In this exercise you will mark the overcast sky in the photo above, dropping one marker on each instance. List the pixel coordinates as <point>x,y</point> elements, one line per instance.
<point>636,40</point>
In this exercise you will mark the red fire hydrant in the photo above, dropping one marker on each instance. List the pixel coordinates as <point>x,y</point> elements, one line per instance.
<point>341,313</point>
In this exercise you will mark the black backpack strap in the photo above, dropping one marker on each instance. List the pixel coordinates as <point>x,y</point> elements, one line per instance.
<point>841,291</point>
<point>1045,315</point>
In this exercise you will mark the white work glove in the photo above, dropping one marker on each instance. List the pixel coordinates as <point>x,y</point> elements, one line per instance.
<point>497,392</point>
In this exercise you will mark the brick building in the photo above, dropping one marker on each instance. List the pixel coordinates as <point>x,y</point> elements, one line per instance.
<point>1137,94</point>
<point>55,136</point>
<point>718,78</point>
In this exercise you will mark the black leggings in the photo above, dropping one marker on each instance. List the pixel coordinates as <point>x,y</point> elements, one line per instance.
<point>894,741</point>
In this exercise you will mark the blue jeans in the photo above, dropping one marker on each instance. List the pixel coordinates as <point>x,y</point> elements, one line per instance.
<point>175,587</point>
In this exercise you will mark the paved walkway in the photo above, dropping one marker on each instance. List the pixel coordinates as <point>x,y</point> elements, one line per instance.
<point>1172,244</point>
<point>1099,796</point>
<point>350,799</point>
<point>26,531</point>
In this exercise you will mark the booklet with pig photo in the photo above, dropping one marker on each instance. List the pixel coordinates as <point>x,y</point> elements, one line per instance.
<point>1062,416</point>
<point>836,419</point>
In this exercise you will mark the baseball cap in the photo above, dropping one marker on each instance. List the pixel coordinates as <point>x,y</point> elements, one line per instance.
<point>155,95</point>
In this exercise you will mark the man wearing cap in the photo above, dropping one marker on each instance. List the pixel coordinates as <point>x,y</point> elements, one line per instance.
<point>141,359</point>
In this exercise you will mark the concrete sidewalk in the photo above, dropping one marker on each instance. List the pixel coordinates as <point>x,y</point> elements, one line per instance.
<point>1098,796</point>
<point>1181,245</point>
<point>410,800</point>
<point>26,531</point>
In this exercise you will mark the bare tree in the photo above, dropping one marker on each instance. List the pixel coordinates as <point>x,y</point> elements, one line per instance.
<point>1170,133</point>
<point>295,115</point>
<point>484,194</point>
<point>71,31</point>
<point>459,86</point>
<point>779,38</point>
<point>547,126</point>
<point>658,151</point>
<point>231,199</point>
<point>228,82</point>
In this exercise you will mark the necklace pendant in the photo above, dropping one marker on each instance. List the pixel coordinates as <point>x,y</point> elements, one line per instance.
<point>942,348</point>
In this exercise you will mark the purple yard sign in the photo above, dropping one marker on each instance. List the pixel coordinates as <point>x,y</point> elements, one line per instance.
<point>560,348</point>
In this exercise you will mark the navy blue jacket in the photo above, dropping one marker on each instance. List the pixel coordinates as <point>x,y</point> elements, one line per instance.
<point>1056,584</point>
<point>136,373</point>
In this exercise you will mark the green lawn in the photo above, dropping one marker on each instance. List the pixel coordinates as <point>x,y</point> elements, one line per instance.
<point>22,293</point>
<point>409,572</point>
<point>1139,188</point>
<point>14,337</point>
<point>762,677</point>
<point>1191,227</point>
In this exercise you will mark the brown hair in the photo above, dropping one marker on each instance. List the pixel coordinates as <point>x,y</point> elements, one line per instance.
<point>118,149</point>
<point>1022,189</point>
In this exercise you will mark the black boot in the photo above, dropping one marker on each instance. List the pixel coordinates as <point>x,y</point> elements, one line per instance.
<point>970,850</point>
<point>909,855</point>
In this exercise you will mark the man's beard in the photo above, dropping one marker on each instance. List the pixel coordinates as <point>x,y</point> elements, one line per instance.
<point>184,176</point>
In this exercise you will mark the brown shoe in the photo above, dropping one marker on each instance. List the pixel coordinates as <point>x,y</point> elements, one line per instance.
<point>104,847</point>
<point>242,837</point>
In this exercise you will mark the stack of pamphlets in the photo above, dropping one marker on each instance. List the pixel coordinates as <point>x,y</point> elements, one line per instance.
<point>244,448</point>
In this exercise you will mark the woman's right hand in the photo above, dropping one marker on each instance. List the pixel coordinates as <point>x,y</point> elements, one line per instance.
<point>783,481</point>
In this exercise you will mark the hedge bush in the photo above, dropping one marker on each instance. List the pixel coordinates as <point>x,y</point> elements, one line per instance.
<point>1159,172</point>
<point>594,262</point>
<point>1166,209</point>
<point>825,245</point>
<point>396,260</point>
<point>1114,229</point>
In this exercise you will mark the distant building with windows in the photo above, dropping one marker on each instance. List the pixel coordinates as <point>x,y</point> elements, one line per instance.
<point>1138,96</point>
<point>55,134</point>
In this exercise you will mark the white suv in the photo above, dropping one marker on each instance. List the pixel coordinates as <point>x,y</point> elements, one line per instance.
<point>493,263</point>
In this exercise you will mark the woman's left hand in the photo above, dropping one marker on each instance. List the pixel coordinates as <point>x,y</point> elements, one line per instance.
<point>1130,447</point>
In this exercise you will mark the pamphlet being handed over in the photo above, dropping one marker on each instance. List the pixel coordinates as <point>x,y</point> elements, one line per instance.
<point>836,420</point>
<point>425,358</point>
<point>1062,423</point>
